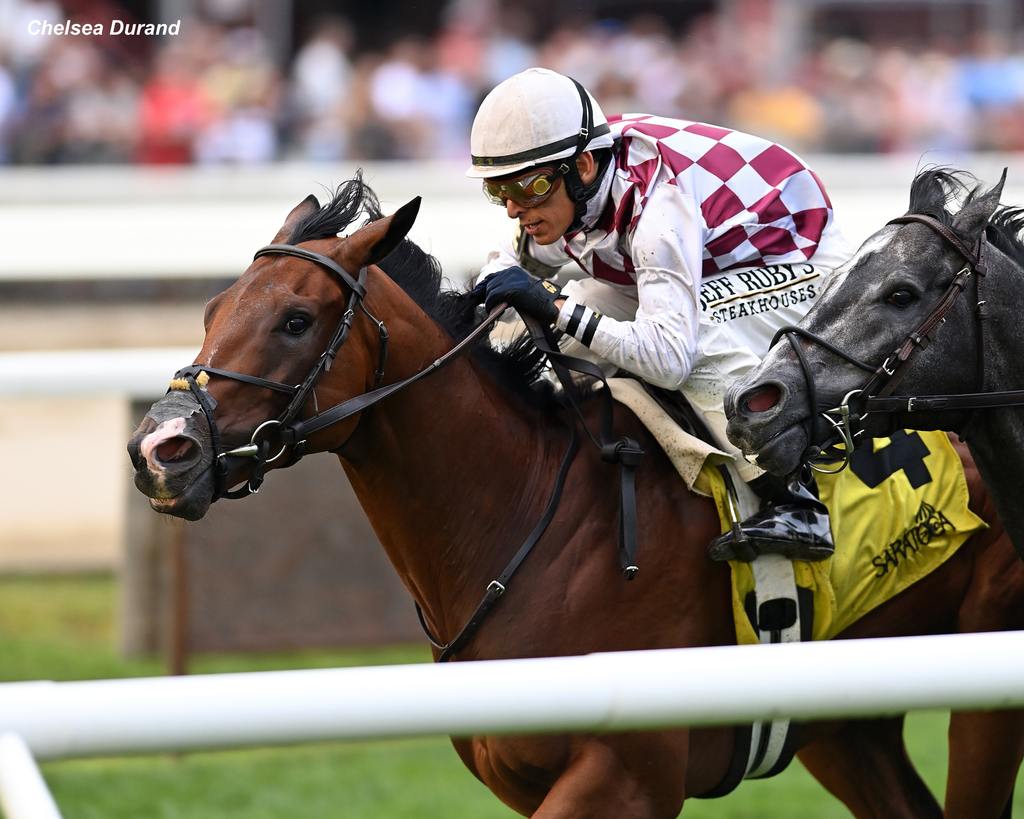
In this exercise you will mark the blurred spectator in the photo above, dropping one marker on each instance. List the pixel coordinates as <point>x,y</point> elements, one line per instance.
<point>8,100</point>
<point>993,84</point>
<point>778,110</point>
<point>320,85</point>
<point>25,51</point>
<point>242,91</point>
<point>174,108</point>
<point>856,106</point>
<point>216,95</point>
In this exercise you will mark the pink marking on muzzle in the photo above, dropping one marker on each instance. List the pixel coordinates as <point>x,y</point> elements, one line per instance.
<point>167,430</point>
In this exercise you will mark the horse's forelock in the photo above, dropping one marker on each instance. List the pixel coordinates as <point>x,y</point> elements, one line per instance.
<point>934,190</point>
<point>347,201</point>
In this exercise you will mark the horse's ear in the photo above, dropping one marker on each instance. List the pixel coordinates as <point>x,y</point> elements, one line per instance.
<point>376,240</point>
<point>307,206</point>
<point>973,217</point>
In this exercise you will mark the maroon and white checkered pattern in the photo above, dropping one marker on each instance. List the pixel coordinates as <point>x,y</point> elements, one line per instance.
<point>760,204</point>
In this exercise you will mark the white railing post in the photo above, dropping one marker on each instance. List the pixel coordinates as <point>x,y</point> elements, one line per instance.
<point>23,791</point>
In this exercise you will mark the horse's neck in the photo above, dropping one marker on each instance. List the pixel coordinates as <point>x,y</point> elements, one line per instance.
<point>445,472</point>
<point>996,436</point>
<point>1001,293</point>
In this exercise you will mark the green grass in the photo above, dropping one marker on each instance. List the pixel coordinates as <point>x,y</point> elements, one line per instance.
<point>62,628</point>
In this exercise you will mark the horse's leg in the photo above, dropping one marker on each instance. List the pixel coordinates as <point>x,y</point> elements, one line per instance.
<point>985,752</point>
<point>598,785</point>
<point>865,765</point>
<point>986,747</point>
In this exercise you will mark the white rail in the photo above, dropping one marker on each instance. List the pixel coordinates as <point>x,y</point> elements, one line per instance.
<point>136,373</point>
<point>615,691</point>
<point>206,222</point>
<point>23,792</point>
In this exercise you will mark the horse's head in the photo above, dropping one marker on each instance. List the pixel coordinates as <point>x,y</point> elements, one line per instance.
<point>270,338</point>
<point>865,313</point>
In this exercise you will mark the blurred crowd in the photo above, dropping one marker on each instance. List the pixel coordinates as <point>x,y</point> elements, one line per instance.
<point>216,94</point>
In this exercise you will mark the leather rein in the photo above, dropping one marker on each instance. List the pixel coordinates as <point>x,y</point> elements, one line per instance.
<point>288,433</point>
<point>875,395</point>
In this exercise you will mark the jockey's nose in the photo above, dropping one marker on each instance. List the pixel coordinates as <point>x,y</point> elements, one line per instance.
<point>513,210</point>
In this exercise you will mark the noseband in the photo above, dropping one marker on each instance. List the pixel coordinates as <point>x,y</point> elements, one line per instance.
<point>875,395</point>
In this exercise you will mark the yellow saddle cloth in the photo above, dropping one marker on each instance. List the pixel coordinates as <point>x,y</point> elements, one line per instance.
<point>899,511</point>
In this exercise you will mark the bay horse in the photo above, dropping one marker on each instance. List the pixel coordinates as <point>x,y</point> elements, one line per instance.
<point>453,470</point>
<point>932,303</point>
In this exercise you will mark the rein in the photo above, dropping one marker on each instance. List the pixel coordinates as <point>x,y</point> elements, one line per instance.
<point>624,451</point>
<point>290,432</point>
<point>876,393</point>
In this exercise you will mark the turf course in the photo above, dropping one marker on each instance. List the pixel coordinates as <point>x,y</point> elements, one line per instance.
<point>62,628</point>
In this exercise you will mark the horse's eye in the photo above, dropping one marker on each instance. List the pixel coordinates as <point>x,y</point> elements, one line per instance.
<point>901,298</point>
<point>296,325</point>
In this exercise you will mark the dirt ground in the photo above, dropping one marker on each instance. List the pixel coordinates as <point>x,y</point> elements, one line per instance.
<point>66,473</point>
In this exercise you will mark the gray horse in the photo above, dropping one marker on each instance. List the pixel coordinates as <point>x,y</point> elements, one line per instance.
<point>932,305</point>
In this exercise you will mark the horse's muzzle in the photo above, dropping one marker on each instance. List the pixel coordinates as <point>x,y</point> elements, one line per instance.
<point>172,453</point>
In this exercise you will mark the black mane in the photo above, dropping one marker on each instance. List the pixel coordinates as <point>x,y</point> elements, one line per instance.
<point>1006,232</point>
<point>934,190</point>
<point>518,367</point>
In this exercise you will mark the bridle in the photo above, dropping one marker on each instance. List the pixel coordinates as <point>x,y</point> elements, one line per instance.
<point>286,432</point>
<point>875,395</point>
<point>289,432</point>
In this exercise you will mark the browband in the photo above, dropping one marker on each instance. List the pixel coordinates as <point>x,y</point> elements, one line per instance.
<point>324,261</point>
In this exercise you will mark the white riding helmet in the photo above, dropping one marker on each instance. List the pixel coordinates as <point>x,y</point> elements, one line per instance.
<point>534,116</point>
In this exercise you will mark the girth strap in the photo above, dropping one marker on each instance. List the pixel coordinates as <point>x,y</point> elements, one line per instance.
<point>625,452</point>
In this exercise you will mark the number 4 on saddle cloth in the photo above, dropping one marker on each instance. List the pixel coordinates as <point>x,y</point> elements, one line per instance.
<point>898,513</point>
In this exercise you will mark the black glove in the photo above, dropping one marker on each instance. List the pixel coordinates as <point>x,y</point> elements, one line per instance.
<point>517,288</point>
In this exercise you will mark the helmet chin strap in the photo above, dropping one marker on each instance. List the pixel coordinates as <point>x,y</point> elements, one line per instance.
<point>579,192</point>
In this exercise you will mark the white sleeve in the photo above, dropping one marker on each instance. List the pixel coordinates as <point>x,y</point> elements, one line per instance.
<point>507,255</point>
<point>660,343</point>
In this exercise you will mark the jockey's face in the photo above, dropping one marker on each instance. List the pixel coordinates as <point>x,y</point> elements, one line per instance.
<point>548,221</point>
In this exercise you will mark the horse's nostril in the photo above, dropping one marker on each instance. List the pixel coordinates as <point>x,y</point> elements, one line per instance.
<point>174,450</point>
<point>762,399</point>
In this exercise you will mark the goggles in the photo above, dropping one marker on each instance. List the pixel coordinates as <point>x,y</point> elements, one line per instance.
<point>527,189</point>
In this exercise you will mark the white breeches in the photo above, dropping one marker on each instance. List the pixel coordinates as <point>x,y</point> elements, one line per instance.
<point>741,311</point>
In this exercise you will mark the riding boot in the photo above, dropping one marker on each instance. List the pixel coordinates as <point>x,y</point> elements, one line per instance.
<point>793,523</point>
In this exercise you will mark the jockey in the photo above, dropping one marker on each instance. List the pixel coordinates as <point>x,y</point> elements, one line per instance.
<point>697,242</point>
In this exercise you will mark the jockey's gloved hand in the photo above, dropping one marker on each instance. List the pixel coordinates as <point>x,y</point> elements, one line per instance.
<point>517,288</point>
